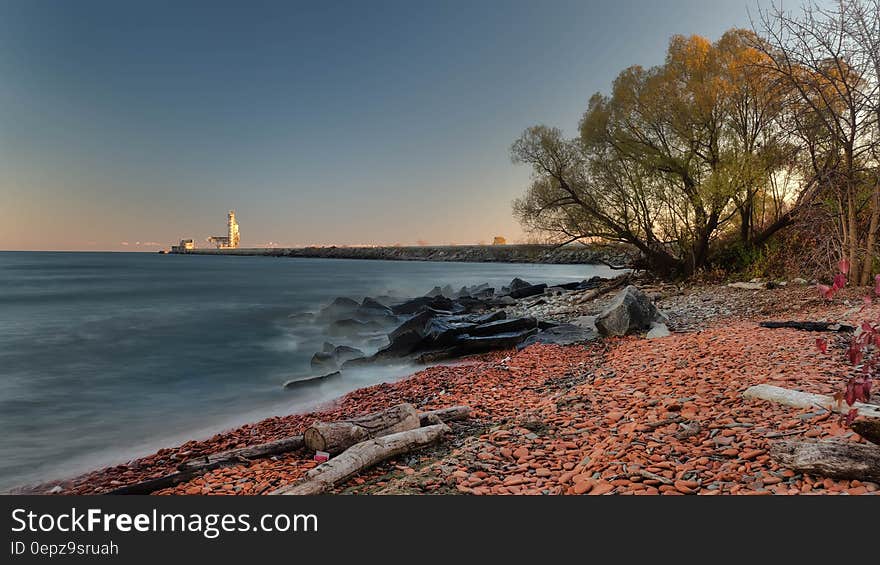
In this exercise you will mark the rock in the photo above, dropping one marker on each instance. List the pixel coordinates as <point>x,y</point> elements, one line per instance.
<point>528,291</point>
<point>323,361</point>
<point>658,330</point>
<point>591,283</point>
<point>415,323</point>
<point>402,344</point>
<point>311,381</point>
<point>517,284</point>
<point>497,341</point>
<point>373,304</point>
<point>444,331</point>
<point>487,318</point>
<point>345,353</point>
<point>504,326</point>
<point>422,302</point>
<point>800,281</point>
<point>328,347</point>
<point>447,291</point>
<point>564,334</point>
<point>630,311</point>
<point>502,301</point>
<point>568,286</point>
<point>470,304</point>
<point>351,326</point>
<point>586,322</point>
<point>341,307</point>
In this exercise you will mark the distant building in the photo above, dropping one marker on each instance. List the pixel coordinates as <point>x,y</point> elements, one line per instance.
<point>185,245</point>
<point>231,239</point>
<point>499,240</point>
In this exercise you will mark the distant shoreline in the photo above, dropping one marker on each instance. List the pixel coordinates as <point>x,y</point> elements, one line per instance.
<point>524,253</point>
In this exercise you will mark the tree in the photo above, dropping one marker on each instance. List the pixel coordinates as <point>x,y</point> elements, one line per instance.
<point>830,58</point>
<point>674,161</point>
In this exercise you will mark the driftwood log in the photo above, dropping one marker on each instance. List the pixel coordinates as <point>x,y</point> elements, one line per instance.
<point>192,468</point>
<point>451,414</point>
<point>362,456</point>
<point>810,326</point>
<point>243,454</point>
<point>336,437</point>
<point>837,460</point>
<point>868,429</point>
<point>798,399</point>
<point>607,287</point>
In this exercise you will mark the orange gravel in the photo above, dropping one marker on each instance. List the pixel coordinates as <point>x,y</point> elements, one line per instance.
<point>627,416</point>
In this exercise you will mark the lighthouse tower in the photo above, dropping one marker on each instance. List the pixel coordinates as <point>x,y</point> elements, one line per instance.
<point>232,230</point>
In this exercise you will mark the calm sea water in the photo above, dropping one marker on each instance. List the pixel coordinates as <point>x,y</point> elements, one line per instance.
<point>108,356</point>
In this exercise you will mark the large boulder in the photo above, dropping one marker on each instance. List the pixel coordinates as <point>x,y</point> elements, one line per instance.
<point>517,284</point>
<point>563,334</point>
<point>474,343</point>
<point>631,311</point>
<point>415,323</point>
<point>442,332</point>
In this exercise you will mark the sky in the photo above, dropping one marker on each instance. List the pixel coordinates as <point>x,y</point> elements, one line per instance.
<point>129,125</point>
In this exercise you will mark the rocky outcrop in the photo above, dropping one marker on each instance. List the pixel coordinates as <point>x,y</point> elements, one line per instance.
<point>563,334</point>
<point>631,311</point>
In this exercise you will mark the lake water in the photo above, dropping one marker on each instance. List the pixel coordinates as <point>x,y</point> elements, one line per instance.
<point>109,356</point>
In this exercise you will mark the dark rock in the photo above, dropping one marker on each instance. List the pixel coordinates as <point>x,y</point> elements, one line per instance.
<point>569,286</point>
<point>564,334</point>
<point>311,381</point>
<point>471,343</point>
<point>504,326</point>
<point>447,291</point>
<point>630,311</point>
<point>547,324</point>
<point>470,304</point>
<point>591,283</point>
<point>415,323</point>
<point>328,347</point>
<point>443,331</point>
<point>341,307</point>
<point>517,284</point>
<point>323,361</point>
<point>345,353</point>
<point>422,302</point>
<point>525,292</point>
<point>350,326</point>
<point>402,344</point>
<point>501,301</point>
<point>440,355</point>
<point>487,318</point>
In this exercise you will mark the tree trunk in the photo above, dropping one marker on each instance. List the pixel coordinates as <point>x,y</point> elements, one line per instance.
<point>362,456</point>
<point>336,437</point>
<point>871,241</point>
<point>837,460</point>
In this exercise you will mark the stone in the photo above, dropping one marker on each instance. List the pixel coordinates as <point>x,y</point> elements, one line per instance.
<point>504,326</point>
<point>311,381</point>
<point>517,284</point>
<point>323,361</point>
<point>414,323</point>
<point>403,344</point>
<point>528,291</point>
<point>630,311</point>
<point>345,353</point>
<point>341,307</point>
<point>444,331</point>
<point>658,330</point>
<point>564,334</point>
<point>496,341</point>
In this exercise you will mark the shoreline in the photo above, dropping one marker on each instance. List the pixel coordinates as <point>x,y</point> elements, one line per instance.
<point>514,253</point>
<point>560,419</point>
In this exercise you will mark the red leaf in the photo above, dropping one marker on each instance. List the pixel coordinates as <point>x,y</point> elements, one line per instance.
<point>854,354</point>
<point>851,416</point>
<point>826,291</point>
<point>822,345</point>
<point>839,281</point>
<point>843,266</point>
<point>850,395</point>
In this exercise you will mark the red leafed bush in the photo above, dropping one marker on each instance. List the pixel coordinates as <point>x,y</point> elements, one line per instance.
<point>861,352</point>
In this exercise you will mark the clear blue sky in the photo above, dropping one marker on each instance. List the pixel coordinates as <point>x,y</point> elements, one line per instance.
<point>320,122</point>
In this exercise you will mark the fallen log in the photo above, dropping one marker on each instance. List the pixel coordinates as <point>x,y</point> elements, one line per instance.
<point>451,414</point>
<point>362,456</point>
<point>613,284</point>
<point>159,483</point>
<point>836,460</point>
<point>243,454</point>
<point>868,429</point>
<point>192,468</point>
<point>810,326</point>
<point>798,399</point>
<point>336,437</point>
